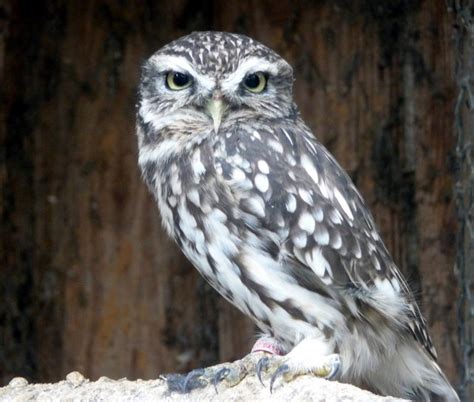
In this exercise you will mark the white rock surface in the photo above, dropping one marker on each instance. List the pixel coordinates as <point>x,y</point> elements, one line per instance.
<point>77,388</point>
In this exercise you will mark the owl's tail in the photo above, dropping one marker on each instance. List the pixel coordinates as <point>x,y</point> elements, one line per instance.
<point>410,373</point>
<point>423,378</point>
<point>440,389</point>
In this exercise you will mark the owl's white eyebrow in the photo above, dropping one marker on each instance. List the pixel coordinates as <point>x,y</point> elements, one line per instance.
<point>180,64</point>
<point>248,66</point>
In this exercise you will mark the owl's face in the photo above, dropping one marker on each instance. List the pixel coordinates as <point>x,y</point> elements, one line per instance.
<point>208,79</point>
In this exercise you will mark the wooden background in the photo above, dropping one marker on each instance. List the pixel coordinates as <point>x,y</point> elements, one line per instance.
<point>90,282</point>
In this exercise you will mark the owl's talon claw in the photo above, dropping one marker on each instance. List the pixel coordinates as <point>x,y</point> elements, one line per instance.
<point>219,376</point>
<point>261,366</point>
<point>280,371</point>
<point>335,368</point>
<point>190,378</point>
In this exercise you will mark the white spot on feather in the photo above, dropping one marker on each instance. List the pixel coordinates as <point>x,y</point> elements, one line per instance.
<point>291,160</point>
<point>321,235</point>
<point>325,191</point>
<point>175,184</point>
<point>318,213</point>
<point>375,235</point>
<point>275,145</point>
<point>306,196</point>
<point>300,239</point>
<point>198,167</point>
<point>244,184</point>
<point>308,165</point>
<point>263,166</point>
<point>256,205</point>
<point>343,203</point>
<point>291,203</point>
<point>218,215</point>
<point>172,200</point>
<point>261,182</point>
<point>238,174</point>
<point>376,263</point>
<point>356,250</point>
<point>336,240</point>
<point>335,216</point>
<point>257,135</point>
<point>306,222</point>
<point>193,196</point>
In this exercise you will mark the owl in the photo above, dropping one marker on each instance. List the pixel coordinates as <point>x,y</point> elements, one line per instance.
<point>271,220</point>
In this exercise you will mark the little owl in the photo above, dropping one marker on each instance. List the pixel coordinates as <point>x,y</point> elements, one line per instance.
<point>273,223</point>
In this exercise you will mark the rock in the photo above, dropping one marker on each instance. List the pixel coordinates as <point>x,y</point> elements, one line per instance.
<point>77,388</point>
<point>18,382</point>
<point>75,378</point>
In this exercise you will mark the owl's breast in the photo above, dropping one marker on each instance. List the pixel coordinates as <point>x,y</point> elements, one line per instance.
<point>197,212</point>
<point>207,207</point>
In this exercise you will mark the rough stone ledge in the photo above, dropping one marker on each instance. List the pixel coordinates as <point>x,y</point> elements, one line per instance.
<point>77,388</point>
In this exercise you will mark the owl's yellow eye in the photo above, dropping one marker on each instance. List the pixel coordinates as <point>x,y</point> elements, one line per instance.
<point>177,81</point>
<point>255,82</point>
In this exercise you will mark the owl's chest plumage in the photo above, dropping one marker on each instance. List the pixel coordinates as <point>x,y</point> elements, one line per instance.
<point>220,231</point>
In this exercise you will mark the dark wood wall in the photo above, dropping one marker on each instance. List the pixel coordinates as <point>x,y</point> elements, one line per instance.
<point>88,279</point>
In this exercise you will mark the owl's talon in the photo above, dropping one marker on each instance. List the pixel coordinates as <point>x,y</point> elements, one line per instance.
<point>335,368</point>
<point>262,365</point>
<point>219,376</point>
<point>193,380</point>
<point>280,371</point>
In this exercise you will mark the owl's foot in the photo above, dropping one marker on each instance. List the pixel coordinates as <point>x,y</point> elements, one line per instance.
<point>305,358</point>
<point>226,374</point>
<point>230,374</point>
<point>265,361</point>
<point>327,367</point>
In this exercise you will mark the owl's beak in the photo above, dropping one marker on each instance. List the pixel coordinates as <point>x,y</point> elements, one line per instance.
<point>216,108</point>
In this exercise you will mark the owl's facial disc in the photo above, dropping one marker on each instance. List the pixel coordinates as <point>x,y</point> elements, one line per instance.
<point>209,90</point>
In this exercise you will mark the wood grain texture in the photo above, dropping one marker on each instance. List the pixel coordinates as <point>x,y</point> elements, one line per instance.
<point>90,281</point>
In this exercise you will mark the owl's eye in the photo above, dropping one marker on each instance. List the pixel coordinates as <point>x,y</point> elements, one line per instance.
<point>177,81</point>
<point>255,82</point>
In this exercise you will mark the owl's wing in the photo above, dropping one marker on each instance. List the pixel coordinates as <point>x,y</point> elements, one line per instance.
<point>293,193</point>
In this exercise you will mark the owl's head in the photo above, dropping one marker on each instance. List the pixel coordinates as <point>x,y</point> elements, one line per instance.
<point>207,79</point>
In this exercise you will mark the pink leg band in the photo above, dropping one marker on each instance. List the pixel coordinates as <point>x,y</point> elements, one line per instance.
<point>267,345</point>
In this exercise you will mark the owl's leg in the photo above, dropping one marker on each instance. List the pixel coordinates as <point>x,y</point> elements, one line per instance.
<point>228,374</point>
<point>310,356</point>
